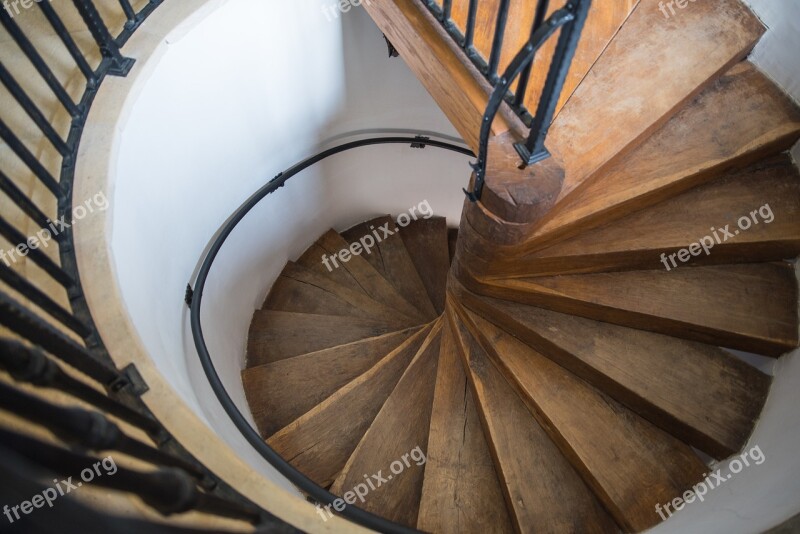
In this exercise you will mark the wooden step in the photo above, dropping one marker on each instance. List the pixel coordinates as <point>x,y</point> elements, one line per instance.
<point>620,103</point>
<point>280,392</point>
<point>672,383</point>
<point>604,21</point>
<point>461,493</point>
<point>302,290</point>
<point>750,307</point>
<point>426,242</point>
<point>541,488</point>
<point>277,335</point>
<point>767,193</point>
<point>630,464</point>
<point>360,274</point>
<point>320,442</point>
<point>738,120</point>
<point>396,443</point>
<point>391,258</point>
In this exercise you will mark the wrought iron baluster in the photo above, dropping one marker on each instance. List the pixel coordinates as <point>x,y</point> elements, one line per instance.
<point>63,34</point>
<point>524,79</point>
<point>534,150</point>
<point>24,322</point>
<point>39,63</point>
<point>118,64</point>
<point>499,36</point>
<point>31,365</point>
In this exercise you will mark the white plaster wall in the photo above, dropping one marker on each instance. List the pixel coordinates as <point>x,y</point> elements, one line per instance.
<point>244,93</point>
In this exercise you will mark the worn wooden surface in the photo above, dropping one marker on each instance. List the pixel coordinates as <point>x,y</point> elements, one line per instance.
<point>615,451</point>
<point>558,500</point>
<point>400,427</point>
<point>320,441</point>
<point>673,383</point>
<point>280,392</point>
<point>461,492</point>
<point>751,307</point>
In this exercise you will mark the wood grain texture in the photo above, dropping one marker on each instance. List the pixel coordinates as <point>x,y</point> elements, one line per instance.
<point>320,442</point>
<point>368,279</point>
<point>616,452</point>
<point>277,335</point>
<point>280,392</point>
<point>617,105</point>
<point>558,501</point>
<point>461,492</point>
<point>400,427</point>
<point>312,259</point>
<point>672,383</point>
<point>637,241</point>
<point>426,242</point>
<point>302,290</point>
<point>739,119</point>
<point>747,307</point>
<point>391,258</point>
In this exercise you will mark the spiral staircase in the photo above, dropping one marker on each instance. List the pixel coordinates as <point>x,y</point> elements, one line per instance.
<point>581,352</point>
<point>560,375</point>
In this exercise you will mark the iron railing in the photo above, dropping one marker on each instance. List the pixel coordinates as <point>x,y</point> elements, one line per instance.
<point>194,296</point>
<point>570,19</point>
<point>50,346</point>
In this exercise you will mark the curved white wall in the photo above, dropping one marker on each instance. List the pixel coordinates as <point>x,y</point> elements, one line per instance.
<point>250,90</point>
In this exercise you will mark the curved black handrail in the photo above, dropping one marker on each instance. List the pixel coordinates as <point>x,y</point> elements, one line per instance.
<point>195,296</point>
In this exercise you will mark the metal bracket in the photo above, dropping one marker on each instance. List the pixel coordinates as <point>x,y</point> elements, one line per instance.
<point>130,379</point>
<point>420,141</point>
<point>392,50</point>
<point>189,295</point>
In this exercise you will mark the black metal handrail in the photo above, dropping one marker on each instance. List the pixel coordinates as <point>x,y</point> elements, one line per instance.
<point>54,332</point>
<point>194,298</point>
<point>570,19</point>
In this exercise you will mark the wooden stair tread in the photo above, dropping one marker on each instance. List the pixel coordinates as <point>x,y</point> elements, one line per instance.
<point>302,290</point>
<point>616,107</point>
<point>319,442</point>
<point>280,392</point>
<point>312,260</point>
<point>558,501</point>
<point>363,274</point>
<point>391,258</point>
<point>582,420</point>
<point>399,430</point>
<point>674,384</point>
<point>427,245</point>
<point>751,307</point>
<point>637,241</point>
<point>277,335</point>
<point>737,120</point>
<point>461,492</point>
